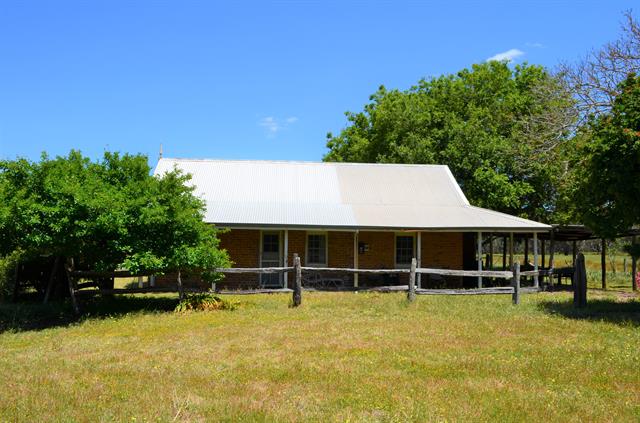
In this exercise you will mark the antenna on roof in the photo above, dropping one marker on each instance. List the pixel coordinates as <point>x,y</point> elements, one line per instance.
<point>160,154</point>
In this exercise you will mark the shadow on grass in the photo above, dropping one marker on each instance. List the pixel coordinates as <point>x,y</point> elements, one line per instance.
<point>607,310</point>
<point>33,315</point>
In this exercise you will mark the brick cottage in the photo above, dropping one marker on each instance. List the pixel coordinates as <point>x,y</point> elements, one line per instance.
<point>342,215</point>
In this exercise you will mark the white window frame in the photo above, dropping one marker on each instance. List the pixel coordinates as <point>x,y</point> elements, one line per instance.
<point>395,249</point>
<point>326,248</point>
<point>280,251</point>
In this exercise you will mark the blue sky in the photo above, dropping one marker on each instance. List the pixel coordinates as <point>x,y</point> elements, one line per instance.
<point>243,80</point>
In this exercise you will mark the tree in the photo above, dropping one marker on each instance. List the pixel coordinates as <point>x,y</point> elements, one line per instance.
<point>106,215</point>
<point>595,80</point>
<point>500,129</point>
<point>609,173</point>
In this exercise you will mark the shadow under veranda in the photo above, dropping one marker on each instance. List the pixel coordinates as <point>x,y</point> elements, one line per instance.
<point>30,314</point>
<point>612,310</point>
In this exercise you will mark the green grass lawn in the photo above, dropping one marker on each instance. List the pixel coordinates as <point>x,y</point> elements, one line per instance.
<point>339,357</point>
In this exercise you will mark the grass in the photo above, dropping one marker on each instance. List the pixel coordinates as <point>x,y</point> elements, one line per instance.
<point>339,357</point>
<point>618,275</point>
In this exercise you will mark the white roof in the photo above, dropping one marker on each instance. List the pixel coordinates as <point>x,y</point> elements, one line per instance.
<point>245,193</point>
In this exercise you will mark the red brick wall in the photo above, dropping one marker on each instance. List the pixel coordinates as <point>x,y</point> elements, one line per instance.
<point>439,250</point>
<point>243,246</point>
<point>442,250</point>
<point>297,244</point>
<point>340,249</point>
<point>381,254</point>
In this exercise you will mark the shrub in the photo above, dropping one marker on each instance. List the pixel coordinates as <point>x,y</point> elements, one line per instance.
<point>7,269</point>
<point>205,302</point>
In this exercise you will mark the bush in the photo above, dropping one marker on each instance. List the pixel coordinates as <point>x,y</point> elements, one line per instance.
<point>205,302</point>
<point>7,269</point>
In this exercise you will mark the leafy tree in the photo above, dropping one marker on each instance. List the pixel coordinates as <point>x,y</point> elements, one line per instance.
<point>500,129</point>
<point>106,215</point>
<point>609,173</point>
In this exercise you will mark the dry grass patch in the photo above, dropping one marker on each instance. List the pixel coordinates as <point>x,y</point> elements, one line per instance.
<point>339,357</point>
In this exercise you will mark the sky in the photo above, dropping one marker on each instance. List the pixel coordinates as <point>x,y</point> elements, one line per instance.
<point>249,80</point>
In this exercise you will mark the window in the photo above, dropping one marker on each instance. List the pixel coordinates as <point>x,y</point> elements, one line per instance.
<point>271,243</point>
<point>404,250</point>
<point>317,249</point>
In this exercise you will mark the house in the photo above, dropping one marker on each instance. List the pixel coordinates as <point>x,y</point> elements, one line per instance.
<point>342,215</point>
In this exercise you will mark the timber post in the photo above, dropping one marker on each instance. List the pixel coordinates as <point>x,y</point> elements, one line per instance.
<point>552,249</point>
<point>580,283</point>
<point>297,287</point>
<point>52,278</point>
<point>180,286</point>
<point>411,292</point>
<point>72,290</point>
<point>16,282</point>
<point>633,267</point>
<point>504,253</point>
<point>516,283</point>
<point>536,277</point>
<point>603,263</point>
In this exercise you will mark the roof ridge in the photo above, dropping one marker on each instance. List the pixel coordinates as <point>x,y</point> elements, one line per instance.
<point>301,162</point>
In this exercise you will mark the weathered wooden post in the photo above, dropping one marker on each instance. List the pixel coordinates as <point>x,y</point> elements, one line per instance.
<point>516,283</point>
<point>479,257</point>
<point>16,282</point>
<point>72,291</point>
<point>411,293</point>
<point>552,249</point>
<point>536,277</point>
<point>603,263</point>
<point>180,287</point>
<point>52,278</point>
<point>504,253</point>
<point>297,287</point>
<point>580,283</point>
<point>633,267</point>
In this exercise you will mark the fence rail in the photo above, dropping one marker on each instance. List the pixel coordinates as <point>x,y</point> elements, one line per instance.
<point>514,275</point>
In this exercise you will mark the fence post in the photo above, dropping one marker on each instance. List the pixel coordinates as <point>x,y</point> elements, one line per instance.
<point>180,287</point>
<point>71,281</point>
<point>411,293</point>
<point>297,287</point>
<point>516,282</point>
<point>580,283</point>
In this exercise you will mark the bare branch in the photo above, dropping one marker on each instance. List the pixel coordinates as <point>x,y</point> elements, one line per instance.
<point>594,80</point>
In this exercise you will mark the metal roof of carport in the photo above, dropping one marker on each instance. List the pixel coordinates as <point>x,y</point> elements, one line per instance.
<point>246,193</point>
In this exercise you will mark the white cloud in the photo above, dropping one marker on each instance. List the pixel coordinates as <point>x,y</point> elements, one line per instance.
<point>274,125</point>
<point>508,55</point>
<point>270,124</point>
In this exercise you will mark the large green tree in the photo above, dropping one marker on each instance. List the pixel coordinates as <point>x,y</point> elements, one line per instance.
<point>608,165</point>
<point>501,130</point>
<point>106,215</point>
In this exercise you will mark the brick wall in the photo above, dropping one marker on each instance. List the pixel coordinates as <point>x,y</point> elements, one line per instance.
<point>439,249</point>
<point>442,250</point>
<point>243,246</point>
<point>340,249</point>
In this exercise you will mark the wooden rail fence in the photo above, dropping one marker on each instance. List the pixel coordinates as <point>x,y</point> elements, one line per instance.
<point>513,275</point>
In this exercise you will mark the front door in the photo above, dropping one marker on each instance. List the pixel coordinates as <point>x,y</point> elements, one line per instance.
<point>271,256</point>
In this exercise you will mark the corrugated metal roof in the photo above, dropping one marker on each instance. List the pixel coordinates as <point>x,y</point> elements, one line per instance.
<point>337,195</point>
